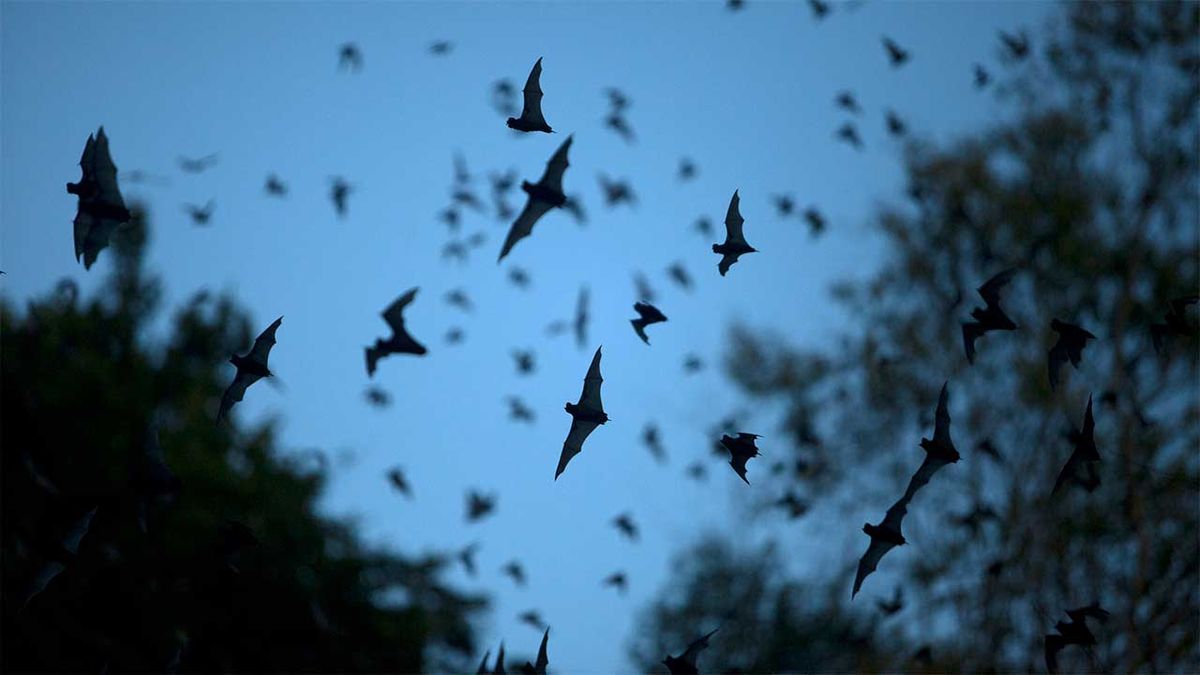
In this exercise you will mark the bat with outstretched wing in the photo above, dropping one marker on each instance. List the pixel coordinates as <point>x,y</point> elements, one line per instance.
<point>991,316</point>
<point>585,415</point>
<point>544,195</point>
<point>400,342</point>
<point>1069,347</point>
<point>885,536</point>
<point>101,208</point>
<point>741,450</point>
<point>250,368</point>
<point>531,118</point>
<point>938,452</point>
<point>543,660</point>
<point>685,663</point>
<point>1081,465</point>
<point>735,241</point>
<point>647,314</point>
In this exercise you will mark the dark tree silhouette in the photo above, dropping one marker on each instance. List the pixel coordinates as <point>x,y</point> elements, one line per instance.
<point>228,567</point>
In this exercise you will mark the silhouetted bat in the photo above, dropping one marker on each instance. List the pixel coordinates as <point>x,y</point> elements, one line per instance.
<point>399,481</point>
<point>531,118</point>
<point>441,48</point>
<point>200,215</point>
<point>101,209</point>
<point>735,244</point>
<point>498,669</point>
<point>647,315</point>
<point>543,661</point>
<point>938,452</point>
<point>990,317</point>
<point>532,618</point>
<point>458,298</point>
<point>624,523</point>
<point>466,197</point>
<point>250,368</point>
<point>556,327</point>
<point>735,5</point>
<point>816,222</point>
<point>454,335</point>
<point>741,449</point>
<point>617,580</point>
<point>483,664</point>
<point>400,341</point>
<point>190,165</point>
<point>524,361</point>
<point>455,249</point>
<point>616,192</point>
<point>820,8</point>
<point>897,55</point>
<point>515,572</point>
<point>653,443</point>
<point>685,663</point>
<point>895,125</point>
<point>784,204</point>
<point>274,186</point>
<point>350,57</point>
<point>449,216</point>
<point>680,275</point>
<point>377,397</point>
<point>890,607</point>
<point>1174,322</point>
<point>982,78</point>
<point>692,364</point>
<point>617,122</point>
<point>848,133</point>
<point>585,415</point>
<point>56,554</point>
<point>1081,465</point>
<point>518,277</point>
<point>581,317</point>
<point>466,556</point>
<point>1016,46</point>
<point>687,169</point>
<point>847,101</point>
<point>884,537</point>
<point>697,472</point>
<point>479,505</point>
<point>794,506</point>
<point>1074,632</point>
<point>339,192</point>
<point>1069,347</point>
<point>546,194</point>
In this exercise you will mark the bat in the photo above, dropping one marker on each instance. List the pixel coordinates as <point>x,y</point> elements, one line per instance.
<point>784,204</point>
<point>687,169</point>
<point>441,48</point>
<point>518,277</point>
<point>479,505</point>
<point>1081,465</point>
<point>466,556</point>
<point>617,580</point>
<point>531,118</point>
<point>399,481</point>
<point>198,165</point>
<point>616,192</point>
<point>680,275</point>
<point>735,5</point>
<point>617,99</point>
<point>449,216</point>
<point>741,449</point>
<point>885,536</point>
<point>377,397</point>
<point>585,415</point>
<point>101,209</point>
<point>685,663</point>
<point>524,361</point>
<point>704,226</point>
<point>546,194</point>
<point>938,452</point>
<point>581,317</point>
<point>200,215</point>
<point>650,437</point>
<point>275,187</point>
<point>498,669</point>
<point>816,221</point>
<point>456,250</point>
<point>987,447</point>
<point>1074,632</point>
<point>532,618</point>
<point>1016,47</point>
<point>1174,322</point>
<point>848,133</point>
<point>349,56</point>
<point>624,523</point>
<point>982,77</point>
<point>735,244</point>
<point>459,298</point>
<point>897,55</point>
<point>647,315</point>
<point>543,661</point>
<point>820,8</point>
<point>400,341</point>
<point>1069,347</point>
<point>697,472</point>
<point>61,553</point>
<point>794,506</point>
<point>515,572</point>
<point>339,192</point>
<point>895,125</point>
<point>692,364</point>
<point>848,102</point>
<point>250,368</point>
<point>467,198</point>
<point>890,607</point>
<point>454,335</point>
<point>503,92</point>
<point>617,122</point>
<point>991,316</point>
<point>974,519</point>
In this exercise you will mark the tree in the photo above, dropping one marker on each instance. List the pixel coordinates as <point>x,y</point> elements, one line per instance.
<point>227,567</point>
<point>1089,189</point>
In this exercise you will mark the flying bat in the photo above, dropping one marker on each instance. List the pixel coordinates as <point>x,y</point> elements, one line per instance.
<point>349,56</point>
<point>794,506</point>
<point>696,471</point>
<point>466,556</point>
<point>1016,47</point>
<point>200,215</point>
<point>581,317</point>
<point>617,122</point>
<point>479,505</point>
<point>617,99</point>
<point>441,48</point>
<point>400,341</point>
<point>101,208</point>
<point>741,449</point>
<point>58,555</point>
<point>884,537</point>
<point>399,481</point>
<point>645,291</point>
<point>466,197</point>
<point>544,195</point>
<point>704,226</point>
<point>784,204</point>
<point>647,315</point>
<point>585,415</point>
<point>982,77</point>
<point>680,275</point>
<point>515,571</point>
<point>532,618</point>
<point>459,298</point>
<point>938,452</point>
<point>524,360</point>
<point>616,192</point>
<point>987,447</point>
<point>848,133</point>
<point>503,93</point>
<point>190,165</point>
<point>377,397</point>
<point>895,125</point>
<point>816,221</point>
<point>531,118</point>
<point>650,437</point>
<point>1069,347</point>
<point>990,317</point>
<point>543,661</point>
<point>624,523</point>
<point>897,55</point>
<point>848,102</point>
<point>692,364</point>
<point>617,580</point>
<point>685,663</point>
<point>454,335</point>
<point>820,8</point>
<point>687,169</point>
<point>1074,632</point>
<point>518,277</point>
<point>339,192</point>
<point>735,242</point>
<point>275,187</point>
<point>449,216</point>
<point>250,368</point>
<point>1174,322</point>
<point>1081,465</point>
<point>890,607</point>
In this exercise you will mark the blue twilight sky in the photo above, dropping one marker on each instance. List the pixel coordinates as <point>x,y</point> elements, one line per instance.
<point>748,95</point>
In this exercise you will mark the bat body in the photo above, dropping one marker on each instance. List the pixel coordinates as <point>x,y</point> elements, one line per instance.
<point>885,536</point>
<point>200,215</point>
<point>339,192</point>
<point>1081,465</point>
<point>479,505</point>
<point>399,481</point>
<point>741,449</point>
<point>1069,347</point>
<point>581,317</point>
<point>617,580</point>
<point>624,523</point>
<point>616,192</point>
<point>897,55</point>
<point>1073,632</point>
<point>275,187</point>
<point>895,125</point>
<point>848,133</point>
<point>982,77</point>
<point>939,451</point>
<point>650,437</point>
<point>685,663</point>
<point>101,209</point>
<point>647,315</point>
<point>586,415</point>
<point>349,56</point>
<point>544,195</point>
<point>503,93</point>
<point>514,571</point>
<point>400,341</point>
<point>687,169</point>
<point>735,241</point>
<point>543,660</point>
<point>250,368</point>
<point>531,118</point>
<point>991,316</point>
<point>679,275</point>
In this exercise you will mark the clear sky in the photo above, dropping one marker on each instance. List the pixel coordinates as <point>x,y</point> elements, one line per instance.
<point>748,95</point>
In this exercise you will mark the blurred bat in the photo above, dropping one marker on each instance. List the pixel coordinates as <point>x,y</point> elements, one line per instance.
<point>653,443</point>
<point>617,122</point>
<point>704,226</point>
<point>820,8</point>
<point>515,571</point>
<point>454,336</point>
<point>339,192</point>
<point>275,187</point>
<point>848,102</point>
<point>617,99</point>
<point>479,505</point>
<point>616,192</point>
<point>897,55</point>
<point>546,194</point>
<point>735,244</point>
<point>982,78</point>
<point>532,618</point>
<point>685,663</point>
<point>531,118</point>
<point>1174,322</point>
<point>543,661</point>
<point>848,133</point>
<point>617,580</point>
<point>642,286</point>
<point>1081,465</point>
<point>198,165</point>
<point>503,93</point>
<point>741,449</point>
<point>585,415</point>
<point>794,506</point>
<point>250,368</point>
<point>459,298</point>
<point>647,315</point>
<point>524,360</point>
<point>624,523</point>
<point>692,364</point>
<point>399,481</point>
<point>101,209</point>
<point>1069,347</point>
<point>581,317</point>
<point>466,556</point>
<point>1016,47</point>
<point>990,317</point>
<point>518,277</point>
<point>441,48</point>
<point>687,169</point>
<point>377,397</point>
<point>890,607</point>
<point>784,205</point>
<point>816,221</point>
<point>400,341</point>
<point>680,275</point>
<point>349,56</point>
<point>895,126</point>
<point>884,537</point>
<point>200,215</point>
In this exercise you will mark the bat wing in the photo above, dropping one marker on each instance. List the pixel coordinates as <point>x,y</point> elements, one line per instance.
<point>556,167</point>
<point>921,478</point>
<point>738,462</point>
<point>483,663</point>
<point>523,226</point>
<point>639,327</point>
<point>263,343</point>
<point>971,330</point>
<point>990,290</point>
<point>105,173</point>
<point>235,392</point>
<point>1054,644</point>
<point>532,112</point>
<point>1088,433</point>
<point>543,659</point>
<point>394,313</point>
<point>727,261</point>
<point>580,429</point>
<point>692,653</point>
<point>733,225</point>
<point>590,398</point>
<point>941,428</point>
<point>1078,469</point>
<point>869,561</point>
